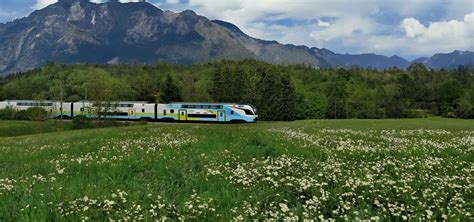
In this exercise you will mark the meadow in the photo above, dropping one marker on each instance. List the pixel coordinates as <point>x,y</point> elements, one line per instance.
<point>399,170</point>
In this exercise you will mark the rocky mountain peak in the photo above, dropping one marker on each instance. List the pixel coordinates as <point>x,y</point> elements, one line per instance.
<point>79,31</point>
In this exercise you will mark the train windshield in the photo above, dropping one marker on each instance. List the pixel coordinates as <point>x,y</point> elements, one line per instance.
<point>254,109</point>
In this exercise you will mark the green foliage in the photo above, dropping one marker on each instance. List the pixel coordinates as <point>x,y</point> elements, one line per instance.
<point>276,98</point>
<point>82,122</point>
<point>311,105</point>
<point>33,114</point>
<point>7,114</point>
<point>464,109</point>
<point>280,92</point>
<point>171,92</point>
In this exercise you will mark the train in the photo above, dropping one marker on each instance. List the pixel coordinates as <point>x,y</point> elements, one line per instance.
<point>145,111</point>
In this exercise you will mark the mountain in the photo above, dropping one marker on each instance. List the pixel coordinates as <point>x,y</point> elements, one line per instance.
<point>78,31</point>
<point>448,60</point>
<point>362,60</point>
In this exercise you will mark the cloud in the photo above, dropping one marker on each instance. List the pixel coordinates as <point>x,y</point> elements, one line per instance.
<point>440,36</point>
<point>323,23</point>
<point>43,3</point>
<point>413,27</point>
<point>413,39</point>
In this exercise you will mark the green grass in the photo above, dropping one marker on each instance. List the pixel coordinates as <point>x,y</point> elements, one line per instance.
<point>379,169</point>
<point>10,128</point>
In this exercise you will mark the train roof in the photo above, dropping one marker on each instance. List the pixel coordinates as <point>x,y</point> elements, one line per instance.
<point>205,103</point>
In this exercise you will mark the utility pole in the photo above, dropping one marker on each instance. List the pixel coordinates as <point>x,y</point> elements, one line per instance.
<point>61,95</point>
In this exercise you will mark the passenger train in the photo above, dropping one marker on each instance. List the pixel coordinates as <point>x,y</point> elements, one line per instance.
<point>199,112</point>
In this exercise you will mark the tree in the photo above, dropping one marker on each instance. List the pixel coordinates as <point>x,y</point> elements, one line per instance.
<point>337,94</point>
<point>145,85</point>
<point>170,91</point>
<point>464,109</point>
<point>102,90</point>
<point>287,102</point>
<point>311,105</point>
<point>447,94</point>
<point>391,102</point>
<point>276,96</point>
<point>361,102</point>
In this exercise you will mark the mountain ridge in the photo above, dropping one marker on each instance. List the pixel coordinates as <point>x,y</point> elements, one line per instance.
<point>78,31</point>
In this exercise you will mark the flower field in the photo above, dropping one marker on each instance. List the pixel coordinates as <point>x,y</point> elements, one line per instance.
<point>368,170</point>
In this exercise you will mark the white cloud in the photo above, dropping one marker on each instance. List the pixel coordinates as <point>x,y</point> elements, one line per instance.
<point>43,3</point>
<point>413,27</point>
<point>414,39</point>
<point>323,23</point>
<point>440,36</point>
<point>172,2</point>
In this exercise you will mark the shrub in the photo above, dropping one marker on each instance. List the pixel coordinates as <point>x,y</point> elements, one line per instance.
<point>33,113</point>
<point>36,114</point>
<point>7,114</point>
<point>464,109</point>
<point>82,122</point>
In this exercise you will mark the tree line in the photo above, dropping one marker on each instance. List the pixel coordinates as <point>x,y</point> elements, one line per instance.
<point>280,92</point>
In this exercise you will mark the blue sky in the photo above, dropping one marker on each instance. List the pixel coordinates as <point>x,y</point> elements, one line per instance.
<point>409,28</point>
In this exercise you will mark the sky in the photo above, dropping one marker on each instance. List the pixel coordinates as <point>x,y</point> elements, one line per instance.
<point>408,28</point>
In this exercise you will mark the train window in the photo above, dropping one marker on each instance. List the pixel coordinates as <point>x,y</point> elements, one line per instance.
<point>82,109</point>
<point>208,116</point>
<point>231,112</point>
<point>248,112</point>
<point>164,112</point>
<point>222,114</point>
<point>143,110</point>
<point>172,111</point>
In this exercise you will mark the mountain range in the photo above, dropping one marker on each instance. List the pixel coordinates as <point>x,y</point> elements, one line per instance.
<point>78,31</point>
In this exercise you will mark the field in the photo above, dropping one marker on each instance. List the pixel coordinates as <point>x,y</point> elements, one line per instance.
<point>323,170</point>
<point>19,128</point>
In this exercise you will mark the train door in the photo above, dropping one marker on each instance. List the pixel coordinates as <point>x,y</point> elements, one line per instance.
<point>221,116</point>
<point>183,115</point>
<point>50,112</point>
<point>132,113</point>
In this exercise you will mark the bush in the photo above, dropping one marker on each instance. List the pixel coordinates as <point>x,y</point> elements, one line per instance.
<point>7,114</point>
<point>33,114</point>
<point>82,122</point>
<point>464,109</point>
<point>36,114</point>
<point>415,113</point>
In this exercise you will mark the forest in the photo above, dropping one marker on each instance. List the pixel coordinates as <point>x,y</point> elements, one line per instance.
<point>280,92</point>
